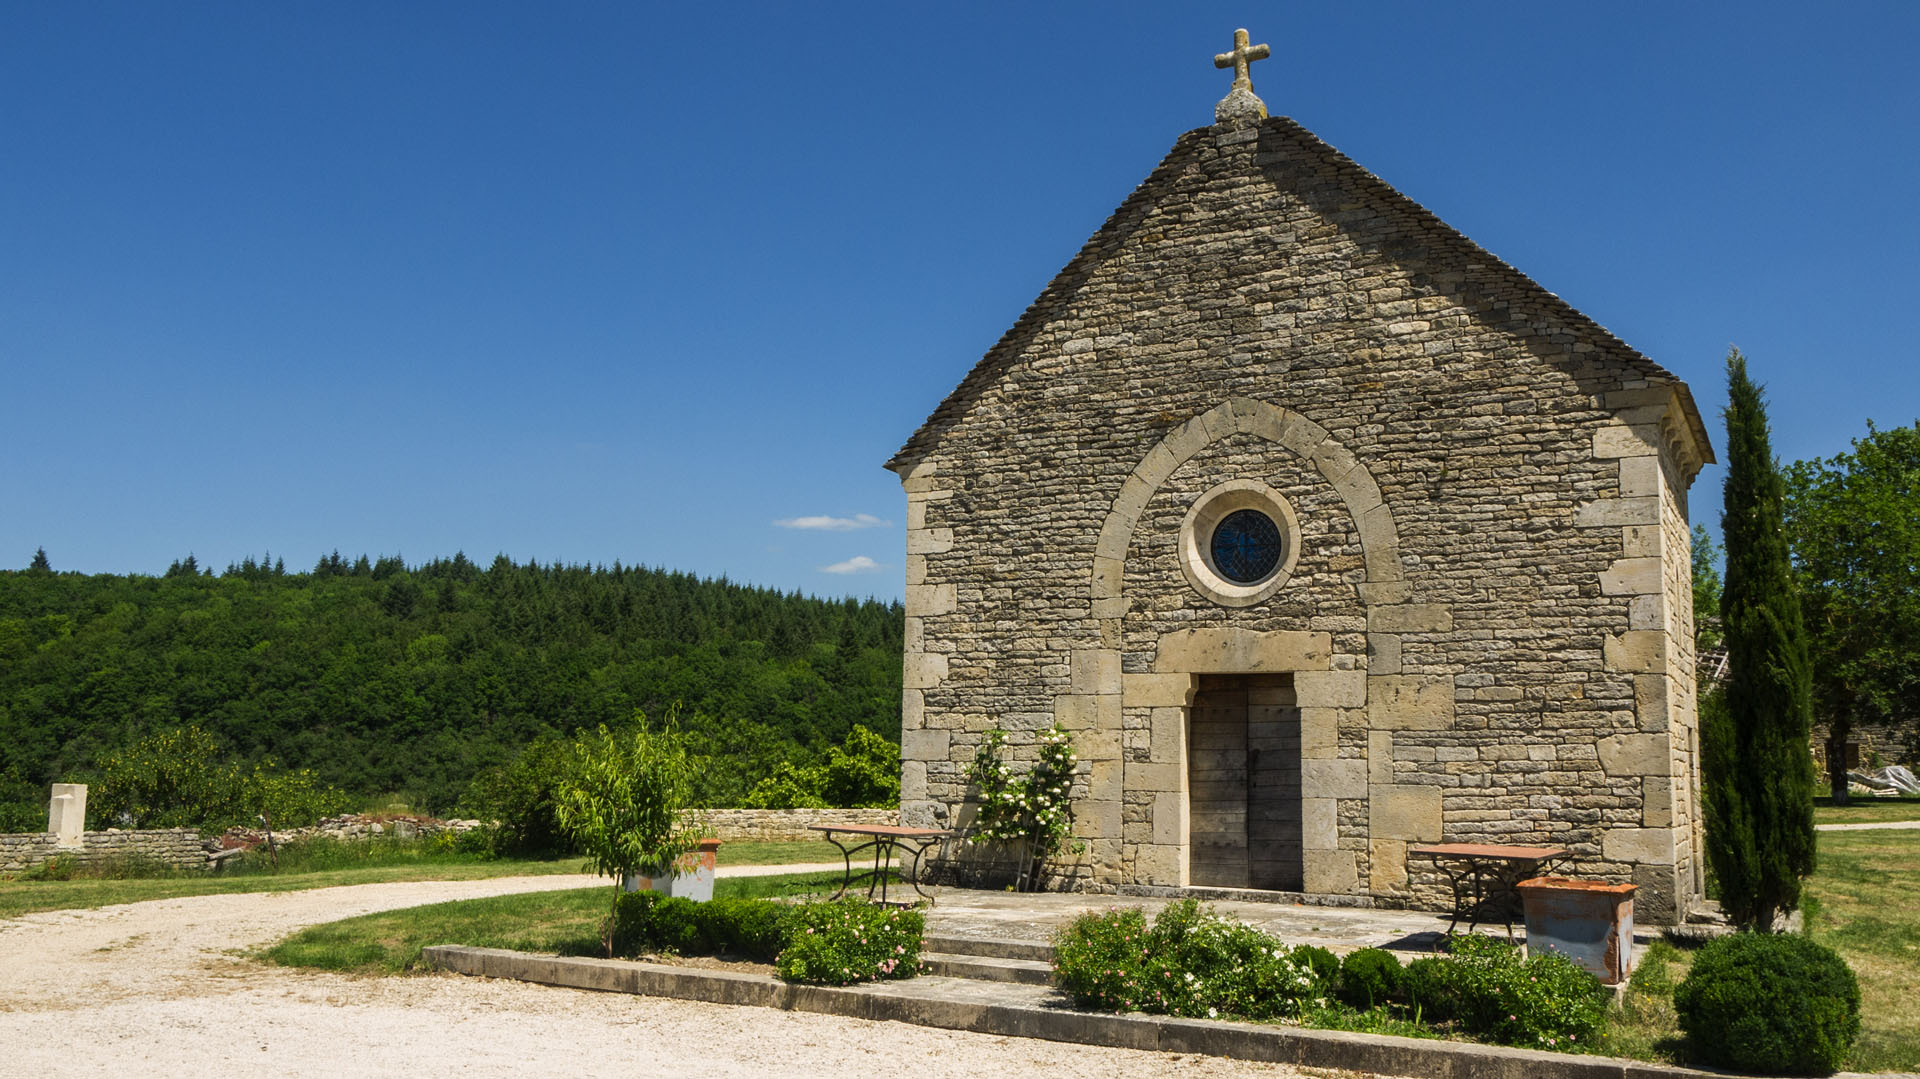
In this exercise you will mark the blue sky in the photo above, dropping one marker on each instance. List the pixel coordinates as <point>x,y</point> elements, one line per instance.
<point>665,284</point>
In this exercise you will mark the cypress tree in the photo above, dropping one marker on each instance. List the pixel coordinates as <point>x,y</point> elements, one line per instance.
<point>1756,761</point>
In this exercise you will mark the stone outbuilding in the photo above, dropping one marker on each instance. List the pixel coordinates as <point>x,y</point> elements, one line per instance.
<point>1326,533</point>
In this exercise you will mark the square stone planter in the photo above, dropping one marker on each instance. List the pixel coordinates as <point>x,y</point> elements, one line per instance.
<point>1588,921</point>
<point>692,876</point>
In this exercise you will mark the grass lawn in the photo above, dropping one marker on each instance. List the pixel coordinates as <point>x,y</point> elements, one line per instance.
<point>1863,902</point>
<point>328,865</point>
<point>563,923</point>
<point>1865,810</point>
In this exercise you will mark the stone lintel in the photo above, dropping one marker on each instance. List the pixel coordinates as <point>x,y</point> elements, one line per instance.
<point>1230,649</point>
<point>1410,618</point>
<point>1409,702</point>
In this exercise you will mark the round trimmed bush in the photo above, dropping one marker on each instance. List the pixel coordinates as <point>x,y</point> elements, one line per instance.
<point>1772,1003</point>
<point>1370,976</point>
<point>1324,964</point>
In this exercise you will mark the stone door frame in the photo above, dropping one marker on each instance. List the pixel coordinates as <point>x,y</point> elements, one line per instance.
<point>1148,843</point>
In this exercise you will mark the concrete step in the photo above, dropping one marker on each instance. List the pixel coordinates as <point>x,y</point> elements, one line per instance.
<point>985,969</point>
<point>988,947</point>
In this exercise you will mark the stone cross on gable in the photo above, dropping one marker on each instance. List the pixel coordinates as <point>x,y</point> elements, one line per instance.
<point>1241,56</point>
<point>1240,102</point>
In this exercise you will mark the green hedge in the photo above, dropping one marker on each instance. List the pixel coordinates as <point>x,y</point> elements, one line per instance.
<point>829,942</point>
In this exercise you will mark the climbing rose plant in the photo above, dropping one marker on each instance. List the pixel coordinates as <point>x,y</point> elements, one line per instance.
<point>1034,807</point>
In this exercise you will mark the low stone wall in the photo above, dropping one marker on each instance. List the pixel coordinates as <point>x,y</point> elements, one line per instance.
<point>350,826</point>
<point>775,825</point>
<point>180,848</point>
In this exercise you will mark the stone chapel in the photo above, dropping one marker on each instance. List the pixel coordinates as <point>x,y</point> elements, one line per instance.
<point>1326,533</point>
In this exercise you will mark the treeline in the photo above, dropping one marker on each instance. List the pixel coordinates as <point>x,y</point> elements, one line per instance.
<point>383,677</point>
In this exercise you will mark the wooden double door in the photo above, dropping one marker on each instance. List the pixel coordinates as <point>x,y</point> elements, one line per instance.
<point>1243,783</point>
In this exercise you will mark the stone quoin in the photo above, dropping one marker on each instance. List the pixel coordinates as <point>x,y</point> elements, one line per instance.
<point>1325,532</point>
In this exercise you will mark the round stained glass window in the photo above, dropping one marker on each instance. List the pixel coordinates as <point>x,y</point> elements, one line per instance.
<point>1246,546</point>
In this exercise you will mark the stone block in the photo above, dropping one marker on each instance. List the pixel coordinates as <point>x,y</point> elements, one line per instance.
<point>1331,872</point>
<point>1156,690</point>
<point>1164,865</point>
<point>1104,779</point>
<point>1410,618</point>
<point>924,670</point>
<point>1169,818</point>
<point>1656,802</point>
<point>1636,650</point>
<point>1647,846</point>
<point>925,744</point>
<point>1108,576</point>
<point>1319,823</point>
<point>1616,512</point>
<point>1409,702</point>
<point>1220,649</point>
<point>1087,712</point>
<point>1343,778</point>
<point>1642,440</point>
<point>1636,755</point>
<point>1640,477</point>
<point>1379,757</point>
<point>1096,671</point>
<point>1149,776</point>
<point>929,540</point>
<point>1330,689</point>
<point>1397,811</point>
<point>1099,819</point>
<point>1386,866</point>
<point>931,599</point>
<point>913,780</point>
<point>1319,733</point>
<point>1373,592</point>
<point>1383,653</point>
<point>1168,736</point>
<point>67,814</point>
<point>1632,577</point>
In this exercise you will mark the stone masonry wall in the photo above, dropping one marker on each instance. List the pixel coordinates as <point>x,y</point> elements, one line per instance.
<point>180,848</point>
<point>1485,628</point>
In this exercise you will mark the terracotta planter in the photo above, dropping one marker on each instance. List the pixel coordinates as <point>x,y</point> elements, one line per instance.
<point>692,876</point>
<point>1588,921</point>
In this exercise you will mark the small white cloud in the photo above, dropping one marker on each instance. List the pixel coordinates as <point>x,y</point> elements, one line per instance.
<point>833,524</point>
<point>857,564</point>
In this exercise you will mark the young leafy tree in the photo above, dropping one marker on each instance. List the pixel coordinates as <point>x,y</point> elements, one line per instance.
<point>624,804</point>
<point>1757,768</point>
<point>1854,521</point>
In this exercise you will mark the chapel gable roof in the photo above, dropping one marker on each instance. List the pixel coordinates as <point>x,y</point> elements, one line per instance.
<point>1437,237</point>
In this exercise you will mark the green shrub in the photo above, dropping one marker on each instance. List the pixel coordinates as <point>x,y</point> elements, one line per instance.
<point>1369,977</point>
<point>1324,964</point>
<point>748,928</point>
<point>520,796</point>
<point>1541,1002</point>
<point>1191,962</point>
<point>1761,1002</point>
<point>850,940</point>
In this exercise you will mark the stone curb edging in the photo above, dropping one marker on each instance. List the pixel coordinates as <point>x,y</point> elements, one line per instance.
<point>1378,1054</point>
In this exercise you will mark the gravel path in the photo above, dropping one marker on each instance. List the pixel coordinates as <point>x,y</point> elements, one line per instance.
<point>154,989</point>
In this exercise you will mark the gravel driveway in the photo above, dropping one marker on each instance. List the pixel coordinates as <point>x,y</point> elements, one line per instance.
<point>152,989</point>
